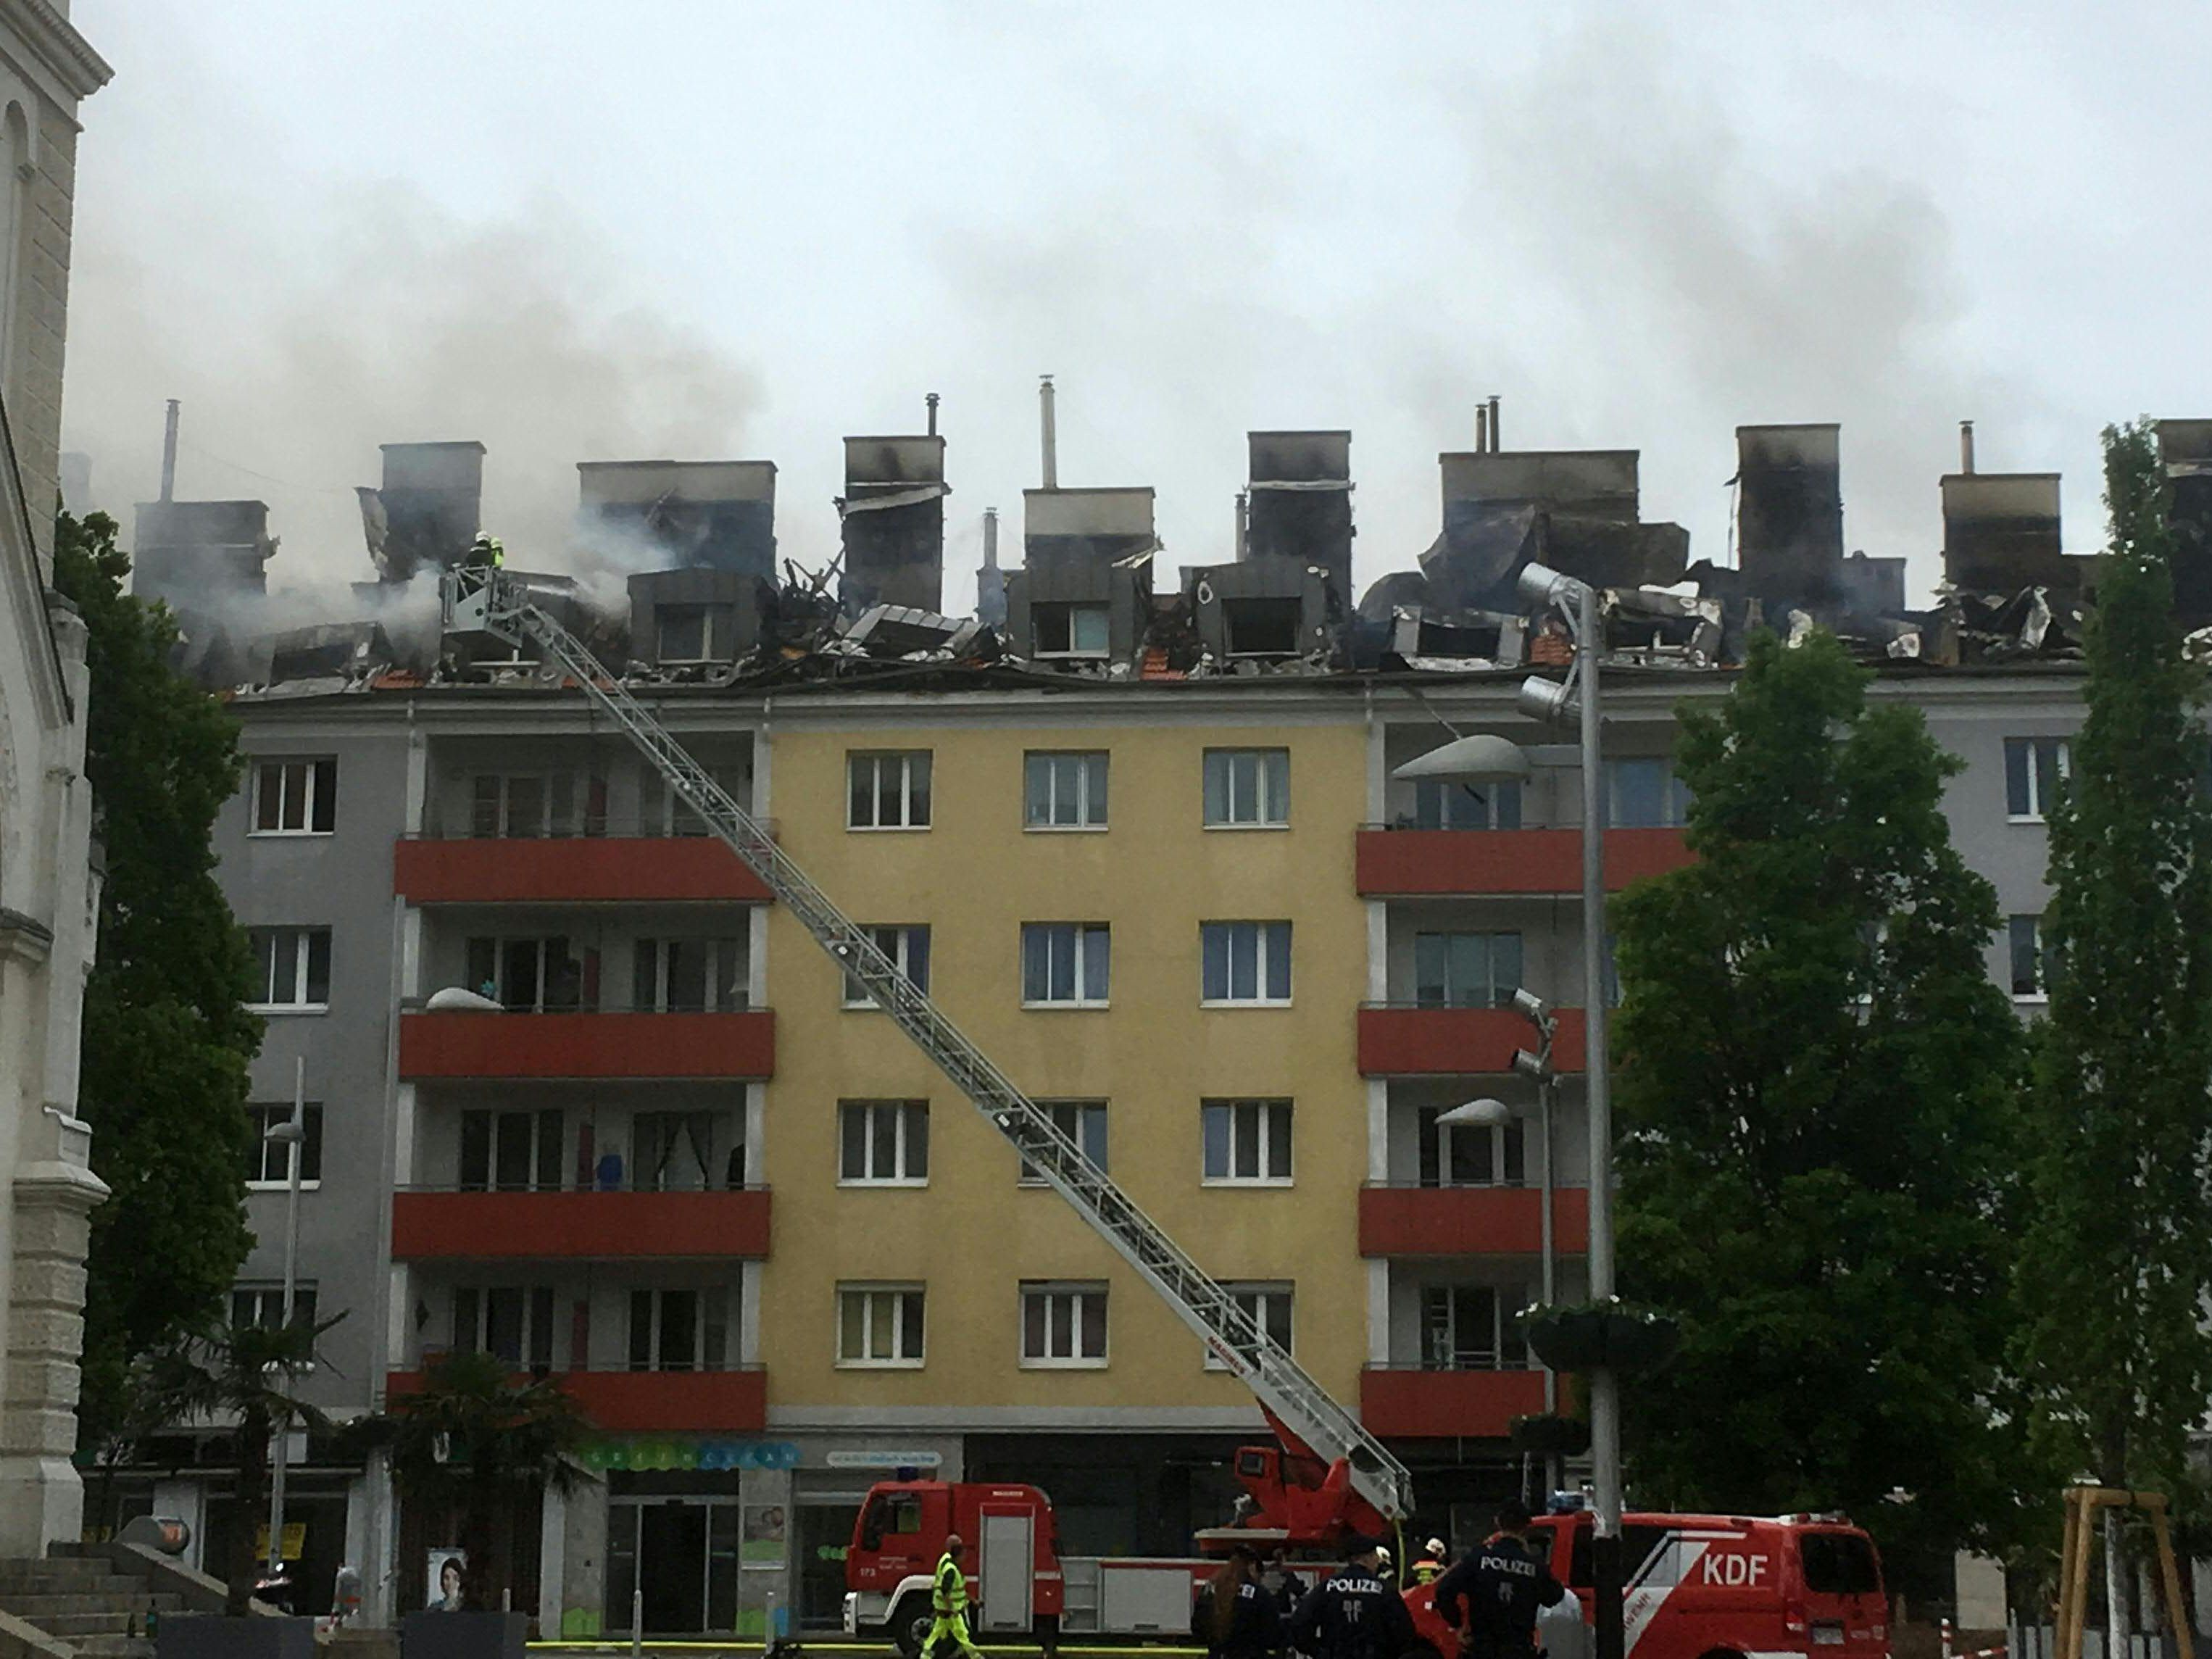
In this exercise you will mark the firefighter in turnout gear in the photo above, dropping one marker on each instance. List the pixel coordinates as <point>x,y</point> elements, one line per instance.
<point>1492,1596</point>
<point>948,1604</point>
<point>487,552</point>
<point>1429,1566</point>
<point>1355,1614</point>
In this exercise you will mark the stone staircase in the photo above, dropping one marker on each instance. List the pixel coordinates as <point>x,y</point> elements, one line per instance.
<point>84,1603</point>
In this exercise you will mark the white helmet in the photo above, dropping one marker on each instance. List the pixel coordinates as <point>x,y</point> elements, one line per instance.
<point>1436,1547</point>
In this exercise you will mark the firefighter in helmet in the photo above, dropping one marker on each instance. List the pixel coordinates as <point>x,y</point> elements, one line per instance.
<point>1429,1565</point>
<point>948,1605</point>
<point>486,552</point>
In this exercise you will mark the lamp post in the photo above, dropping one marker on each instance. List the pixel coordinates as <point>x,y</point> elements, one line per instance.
<point>290,1134</point>
<point>1484,757</point>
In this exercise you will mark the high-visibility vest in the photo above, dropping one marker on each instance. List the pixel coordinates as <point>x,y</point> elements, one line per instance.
<point>950,1593</point>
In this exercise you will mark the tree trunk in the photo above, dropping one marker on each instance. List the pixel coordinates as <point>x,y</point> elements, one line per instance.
<point>477,1543</point>
<point>252,1443</point>
<point>2118,1582</point>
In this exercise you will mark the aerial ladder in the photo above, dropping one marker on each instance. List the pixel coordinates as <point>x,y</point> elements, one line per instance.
<point>1340,1468</point>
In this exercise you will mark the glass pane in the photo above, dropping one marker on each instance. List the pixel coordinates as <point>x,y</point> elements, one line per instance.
<point>1094,1134</point>
<point>917,1140</point>
<point>1095,788</point>
<point>503,1324</point>
<point>1066,790</point>
<point>319,965</point>
<point>1217,788</point>
<point>1243,961</point>
<point>322,778</point>
<point>1060,1343</point>
<point>861,782</point>
<point>687,974</point>
<point>311,1149</point>
<point>1061,982</point>
<point>888,774</point>
<point>1036,789</point>
<point>285,979</point>
<point>1505,805</point>
<point>1278,1120</point>
<point>682,633</point>
<point>1214,976</point>
<point>2026,980</point>
<point>1505,967</point>
<point>1093,1304</point>
<point>1033,1325</point>
<point>852,1324</point>
<point>512,1161</point>
<point>917,789</point>
<point>1470,970</point>
<point>468,1334</point>
<point>1639,793</point>
<point>1088,628</point>
<point>882,1137</point>
<point>879,1325</point>
<point>293,810</point>
<point>1515,1138</point>
<point>1036,957</point>
<point>2016,795</point>
<point>917,957</point>
<point>541,1328</point>
<point>852,1165</point>
<point>910,1324</point>
<point>1426,1139</point>
<point>1276,1305</point>
<point>525,807</point>
<point>1215,1126</point>
<point>476,1149</point>
<point>268,809</point>
<point>519,973</point>
<point>679,1330</point>
<point>1276,780</point>
<point>485,808</point>
<point>1097,944</point>
<point>1432,969</point>
<point>549,1135</point>
<point>1278,961</point>
<point>1243,787</point>
<point>1245,1142</point>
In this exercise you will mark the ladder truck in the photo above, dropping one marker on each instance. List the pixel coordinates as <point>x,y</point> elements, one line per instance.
<point>1327,1480</point>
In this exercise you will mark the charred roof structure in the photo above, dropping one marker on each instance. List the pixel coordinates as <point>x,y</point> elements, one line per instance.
<point>1300,504</point>
<point>2186,448</point>
<point>893,510</point>
<point>426,511</point>
<point>201,555</point>
<point>1083,595</point>
<point>695,515</point>
<point>1789,512</point>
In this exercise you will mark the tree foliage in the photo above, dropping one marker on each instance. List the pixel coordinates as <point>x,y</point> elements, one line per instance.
<point>2117,1251</point>
<point>1816,1078</point>
<point>167,1037</point>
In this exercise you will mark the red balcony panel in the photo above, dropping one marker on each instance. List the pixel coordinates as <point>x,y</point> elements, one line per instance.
<point>472,1045</point>
<point>1471,1221</point>
<point>572,870</point>
<point>700,1402</point>
<point>1417,863</point>
<point>1403,1041</point>
<point>588,1226</point>
<point>1437,1404</point>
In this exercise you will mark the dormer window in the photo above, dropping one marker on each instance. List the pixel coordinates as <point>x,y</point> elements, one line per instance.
<point>1069,630</point>
<point>697,633</point>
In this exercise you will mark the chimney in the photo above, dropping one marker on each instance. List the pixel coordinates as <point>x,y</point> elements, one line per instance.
<point>931,401</point>
<point>1493,423</point>
<point>433,496</point>
<point>1966,447</point>
<point>1048,437</point>
<point>198,555</point>
<point>1301,503</point>
<point>1789,512</point>
<point>169,454</point>
<point>893,509</point>
<point>2001,534</point>
<point>990,581</point>
<point>1243,524</point>
<point>1482,429</point>
<point>990,538</point>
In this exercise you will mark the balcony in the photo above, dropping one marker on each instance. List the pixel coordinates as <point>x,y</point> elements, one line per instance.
<point>588,1045</point>
<point>1401,1039</point>
<point>1416,1404</point>
<point>1468,863</point>
<point>734,1401</point>
<point>1471,1221</point>
<point>572,870</point>
<point>582,1226</point>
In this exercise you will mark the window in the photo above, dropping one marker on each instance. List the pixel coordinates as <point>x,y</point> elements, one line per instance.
<point>1645,794</point>
<point>1441,805</point>
<point>2034,768</point>
<point>888,791</point>
<point>514,1323</point>
<point>1068,630</point>
<point>2034,962</point>
<point>679,1152</point>
<point>1465,970</point>
<point>1084,1122</point>
<point>696,633</point>
<point>882,1143</point>
<point>879,1325</point>
<point>1064,791</point>
<point>1839,1563</point>
<point>270,1163</point>
<point>534,806</point>
<point>1262,628</point>
<point>1245,961</point>
<point>1063,1324</point>
<point>534,975</point>
<point>1247,1141</point>
<point>291,967</point>
<point>1465,1327</point>
<point>262,1305</point>
<point>1065,964</point>
<point>689,975</point>
<point>296,797</point>
<point>891,1514</point>
<point>662,812</point>
<point>1248,788</point>
<point>908,946</point>
<point>1470,1155</point>
<point>511,1151</point>
<point>676,1330</point>
<point>1268,1306</point>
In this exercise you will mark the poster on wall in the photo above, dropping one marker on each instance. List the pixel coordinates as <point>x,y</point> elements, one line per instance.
<point>761,1542</point>
<point>444,1577</point>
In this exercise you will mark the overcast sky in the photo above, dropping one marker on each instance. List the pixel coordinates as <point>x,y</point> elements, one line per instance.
<point>714,230</point>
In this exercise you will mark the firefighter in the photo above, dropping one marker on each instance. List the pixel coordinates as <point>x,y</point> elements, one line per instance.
<point>948,1605</point>
<point>1430,1565</point>
<point>1492,1596</point>
<point>1355,1613</point>
<point>487,552</point>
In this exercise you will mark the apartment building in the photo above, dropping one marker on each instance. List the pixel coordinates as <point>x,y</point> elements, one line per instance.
<point>581,1095</point>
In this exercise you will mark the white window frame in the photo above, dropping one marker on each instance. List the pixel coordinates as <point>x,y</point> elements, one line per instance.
<point>650,955</point>
<point>1081,932</point>
<point>584,812</point>
<point>1674,799</point>
<point>2042,993</point>
<point>479,1340</point>
<point>264,1116</point>
<point>1262,960</point>
<point>1065,1302</point>
<point>905,1115</point>
<point>2039,809</point>
<point>867,1293</point>
<point>1258,1117</point>
<point>875,761</point>
<point>1503,1300</point>
<point>311,783</point>
<point>1072,651</point>
<point>1270,788</point>
<point>1499,1147</point>
<point>262,1295</point>
<point>302,947</point>
<point>1071,1116</point>
<point>895,940</point>
<point>1258,1298</point>
<point>709,1329</point>
<point>1091,780</point>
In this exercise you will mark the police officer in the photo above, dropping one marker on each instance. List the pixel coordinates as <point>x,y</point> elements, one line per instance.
<point>1235,1616</point>
<point>1492,1596</point>
<point>1356,1613</point>
<point>948,1604</point>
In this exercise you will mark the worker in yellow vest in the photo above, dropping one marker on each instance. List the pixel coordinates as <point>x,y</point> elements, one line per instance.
<point>948,1605</point>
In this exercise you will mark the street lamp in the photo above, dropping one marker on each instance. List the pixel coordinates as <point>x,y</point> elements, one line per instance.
<point>291,1134</point>
<point>1575,698</point>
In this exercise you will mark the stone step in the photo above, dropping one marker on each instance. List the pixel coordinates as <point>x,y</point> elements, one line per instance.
<point>114,1622</point>
<point>137,1599</point>
<point>128,1647</point>
<point>64,1578</point>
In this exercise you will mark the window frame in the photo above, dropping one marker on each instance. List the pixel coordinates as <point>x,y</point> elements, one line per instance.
<point>1079,935</point>
<point>1092,791</point>
<point>1260,1294</point>
<point>304,935</point>
<point>712,646</point>
<point>653,972</point>
<point>896,939</point>
<point>908,1114</point>
<point>1504,1325</point>
<point>2030,751</point>
<point>1263,964</point>
<point>262,1291</point>
<point>710,1330</point>
<point>1263,1111</point>
<point>907,793</point>
<point>1262,788</point>
<point>543,1132</point>
<point>264,1116</point>
<point>1083,1114</point>
<point>1439,805</point>
<point>1674,794</point>
<point>320,787</point>
<point>539,1324</point>
<point>1452,995</point>
<point>1064,612</point>
<point>1504,1147</point>
<point>867,1290</point>
<point>1078,1294</point>
<point>2045,958</point>
<point>581,814</point>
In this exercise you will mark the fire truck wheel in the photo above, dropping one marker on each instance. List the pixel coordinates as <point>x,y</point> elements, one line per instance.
<point>909,1626</point>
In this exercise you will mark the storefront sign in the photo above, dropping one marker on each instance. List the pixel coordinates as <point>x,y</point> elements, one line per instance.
<point>628,1453</point>
<point>884,1460</point>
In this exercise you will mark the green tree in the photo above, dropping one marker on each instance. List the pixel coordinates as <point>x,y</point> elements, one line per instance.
<point>166,1036</point>
<point>2118,1249</point>
<point>1816,1079</point>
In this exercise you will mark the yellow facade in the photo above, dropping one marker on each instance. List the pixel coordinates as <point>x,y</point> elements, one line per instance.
<point>975,877</point>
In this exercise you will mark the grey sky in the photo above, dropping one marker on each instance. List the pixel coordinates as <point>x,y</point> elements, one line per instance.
<point>706,230</point>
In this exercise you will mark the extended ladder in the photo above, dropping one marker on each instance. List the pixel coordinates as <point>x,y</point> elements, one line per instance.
<point>493,603</point>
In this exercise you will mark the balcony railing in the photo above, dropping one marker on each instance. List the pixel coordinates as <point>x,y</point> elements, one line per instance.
<point>1416,1401</point>
<point>1400,862</point>
<point>1414,1220</point>
<point>571,870</point>
<point>588,1045</point>
<point>476,1225</point>
<point>1405,1039</point>
<point>732,1399</point>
